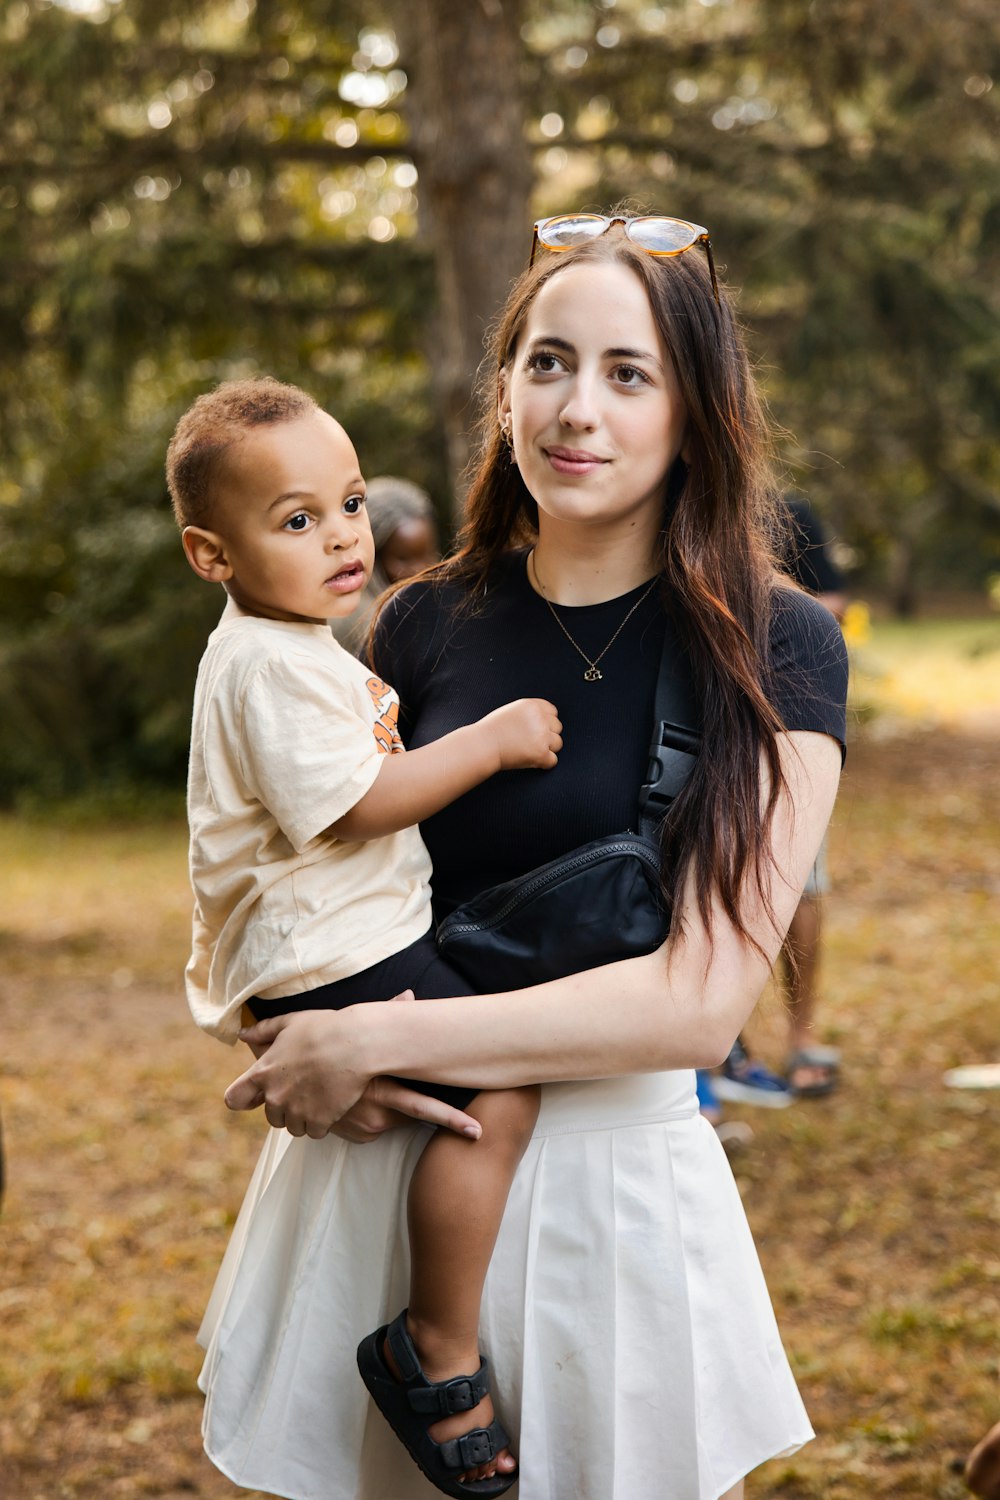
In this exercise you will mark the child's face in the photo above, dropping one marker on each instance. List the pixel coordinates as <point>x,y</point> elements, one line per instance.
<point>292,524</point>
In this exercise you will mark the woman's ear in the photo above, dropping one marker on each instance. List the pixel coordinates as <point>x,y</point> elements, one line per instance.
<point>503,402</point>
<point>504,415</point>
<point>206,552</point>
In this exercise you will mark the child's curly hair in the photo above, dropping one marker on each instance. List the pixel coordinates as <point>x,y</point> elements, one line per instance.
<point>209,427</point>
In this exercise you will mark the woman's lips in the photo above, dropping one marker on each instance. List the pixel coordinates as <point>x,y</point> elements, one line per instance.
<point>573,460</point>
<point>349,579</point>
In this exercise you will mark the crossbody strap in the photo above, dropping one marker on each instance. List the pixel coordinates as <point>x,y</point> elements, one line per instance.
<point>676,737</point>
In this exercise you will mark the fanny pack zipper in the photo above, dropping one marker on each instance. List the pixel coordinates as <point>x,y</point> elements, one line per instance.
<point>525,892</point>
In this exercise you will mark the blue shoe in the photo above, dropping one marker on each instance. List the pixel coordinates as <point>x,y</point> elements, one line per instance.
<point>743,1081</point>
<point>709,1103</point>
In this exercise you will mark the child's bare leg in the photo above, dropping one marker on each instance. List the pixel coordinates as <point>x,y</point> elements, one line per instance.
<point>456,1202</point>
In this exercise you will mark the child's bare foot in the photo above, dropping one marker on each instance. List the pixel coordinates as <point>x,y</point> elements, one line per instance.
<point>441,1360</point>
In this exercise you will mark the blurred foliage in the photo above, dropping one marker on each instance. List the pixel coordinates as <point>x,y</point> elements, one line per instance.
<point>194,191</point>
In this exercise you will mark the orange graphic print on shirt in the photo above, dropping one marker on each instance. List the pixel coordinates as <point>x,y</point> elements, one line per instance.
<point>386,726</point>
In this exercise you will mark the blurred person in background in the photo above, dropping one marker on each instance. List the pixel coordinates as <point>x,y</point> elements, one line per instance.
<point>811,1070</point>
<point>406,541</point>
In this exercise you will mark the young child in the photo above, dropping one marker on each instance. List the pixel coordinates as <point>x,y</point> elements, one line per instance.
<point>311,881</point>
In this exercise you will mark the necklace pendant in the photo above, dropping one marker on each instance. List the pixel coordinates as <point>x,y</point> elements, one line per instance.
<point>592,675</point>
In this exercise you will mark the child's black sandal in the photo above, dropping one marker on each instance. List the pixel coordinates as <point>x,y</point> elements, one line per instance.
<point>413,1403</point>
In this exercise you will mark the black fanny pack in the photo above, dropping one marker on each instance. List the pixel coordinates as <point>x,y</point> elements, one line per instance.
<point>599,903</point>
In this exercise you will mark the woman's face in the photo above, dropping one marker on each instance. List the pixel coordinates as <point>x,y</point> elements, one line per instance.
<point>593,402</point>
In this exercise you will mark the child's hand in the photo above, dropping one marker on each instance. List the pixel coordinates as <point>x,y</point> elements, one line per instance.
<point>527,734</point>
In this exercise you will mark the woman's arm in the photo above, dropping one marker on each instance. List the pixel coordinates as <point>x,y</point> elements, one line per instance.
<point>386,1104</point>
<point>679,1007</point>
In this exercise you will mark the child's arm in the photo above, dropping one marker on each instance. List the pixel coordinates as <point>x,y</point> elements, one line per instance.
<point>414,786</point>
<point>680,1007</point>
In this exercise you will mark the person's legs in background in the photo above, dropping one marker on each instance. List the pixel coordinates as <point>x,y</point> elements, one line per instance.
<point>744,1080</point>
<point>811,1069</point>
<point>709,1103</point>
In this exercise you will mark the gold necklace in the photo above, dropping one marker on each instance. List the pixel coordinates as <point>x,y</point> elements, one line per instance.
<point>592,673</point>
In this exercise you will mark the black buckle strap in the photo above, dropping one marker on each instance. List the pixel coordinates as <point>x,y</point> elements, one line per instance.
<point>672,756</point>
<point>401,1345</point>
<point>444,1398</point>
<point>676,740</point>
<point>479,1446</point>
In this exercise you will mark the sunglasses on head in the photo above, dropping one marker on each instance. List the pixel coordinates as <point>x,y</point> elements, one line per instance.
<point>654,233</point>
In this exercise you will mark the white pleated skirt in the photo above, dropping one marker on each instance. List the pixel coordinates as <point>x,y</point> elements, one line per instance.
<point>633,1347</point>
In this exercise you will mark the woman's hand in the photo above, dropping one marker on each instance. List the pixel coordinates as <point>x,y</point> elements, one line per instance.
<point>387,1104</point>
<point>303,1074</point>
<point>304,1080</point>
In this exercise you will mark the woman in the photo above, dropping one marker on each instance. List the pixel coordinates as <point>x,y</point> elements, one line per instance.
<point>635,1352</point>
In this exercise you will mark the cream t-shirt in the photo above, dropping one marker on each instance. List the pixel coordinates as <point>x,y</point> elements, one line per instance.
<point>287,735</point>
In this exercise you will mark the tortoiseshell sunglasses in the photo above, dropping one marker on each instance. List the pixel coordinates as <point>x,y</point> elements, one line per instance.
<point>654,233</point>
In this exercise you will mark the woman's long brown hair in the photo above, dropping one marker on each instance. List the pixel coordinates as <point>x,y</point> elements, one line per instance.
<point>714,552</point>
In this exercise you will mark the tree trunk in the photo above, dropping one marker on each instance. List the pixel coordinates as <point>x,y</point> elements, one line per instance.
<point>466,118</point>
<point>902,577</point>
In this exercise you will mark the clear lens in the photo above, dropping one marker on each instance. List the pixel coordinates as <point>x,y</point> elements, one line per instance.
<point>662,236</point>
<point>571,229</point>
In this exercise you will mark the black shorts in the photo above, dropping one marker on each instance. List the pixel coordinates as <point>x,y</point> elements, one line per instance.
<point>419,968</point>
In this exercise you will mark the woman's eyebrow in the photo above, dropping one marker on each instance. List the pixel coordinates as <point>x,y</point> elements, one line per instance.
<point>631,354</point>
<point>551,341</point>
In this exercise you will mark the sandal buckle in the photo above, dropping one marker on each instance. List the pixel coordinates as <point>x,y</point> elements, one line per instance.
<point>476,1447</point>
<point>457,1395</point>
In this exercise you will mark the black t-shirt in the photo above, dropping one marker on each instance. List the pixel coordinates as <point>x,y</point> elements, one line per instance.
<point>451,670</point>
<point>805,550</point>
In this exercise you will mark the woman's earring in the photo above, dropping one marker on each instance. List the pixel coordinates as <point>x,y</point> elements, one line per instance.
<point>508,437</point>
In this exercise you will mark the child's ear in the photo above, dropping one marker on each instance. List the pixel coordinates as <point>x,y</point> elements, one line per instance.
<point>206,552</point>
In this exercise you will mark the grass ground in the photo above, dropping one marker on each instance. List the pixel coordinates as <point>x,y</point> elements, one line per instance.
<point>877,1212</point>
<point>914,673</point>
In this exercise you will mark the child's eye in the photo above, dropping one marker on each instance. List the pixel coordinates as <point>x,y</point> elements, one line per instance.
<point>353,504</point>
<point>299,522</point>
